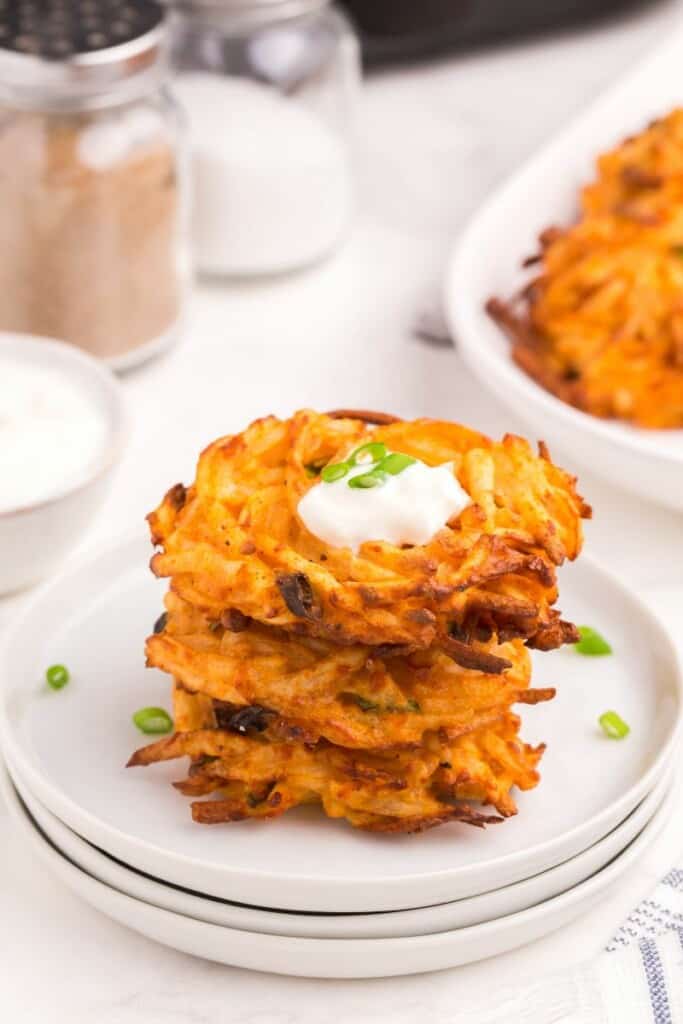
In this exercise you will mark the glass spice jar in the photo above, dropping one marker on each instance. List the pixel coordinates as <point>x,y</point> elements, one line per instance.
<point>269,88</point>
<point>92,181</point>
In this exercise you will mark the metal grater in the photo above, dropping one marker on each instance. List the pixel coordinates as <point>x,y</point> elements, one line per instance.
<point>57,51</point>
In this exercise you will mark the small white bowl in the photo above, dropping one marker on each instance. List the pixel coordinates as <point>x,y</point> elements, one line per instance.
<point>36,537</point>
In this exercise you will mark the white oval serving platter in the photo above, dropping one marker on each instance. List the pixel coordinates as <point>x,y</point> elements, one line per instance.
<point>487,262</point>
<point>71,746</point>
<point>334,958</point>
<point>393,924</point>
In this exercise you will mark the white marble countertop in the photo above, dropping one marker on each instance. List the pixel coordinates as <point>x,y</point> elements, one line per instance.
<point>438,139</point>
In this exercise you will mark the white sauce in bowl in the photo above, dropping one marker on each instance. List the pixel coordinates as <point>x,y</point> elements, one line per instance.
<point>51,434</point>
<point>408,509</point>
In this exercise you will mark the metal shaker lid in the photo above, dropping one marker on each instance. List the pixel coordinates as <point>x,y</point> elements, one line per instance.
<point>65,53</point>
<point>251,8</point>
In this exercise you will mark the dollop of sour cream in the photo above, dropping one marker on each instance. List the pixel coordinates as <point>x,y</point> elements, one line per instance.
<point>50,434</point>
<point>408,508</point>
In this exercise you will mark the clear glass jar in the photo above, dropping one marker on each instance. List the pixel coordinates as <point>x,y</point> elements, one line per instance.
<point>269,88</point>
<point>92,196</point>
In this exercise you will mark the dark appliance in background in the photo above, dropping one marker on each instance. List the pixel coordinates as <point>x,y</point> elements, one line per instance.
<point>394,30</point>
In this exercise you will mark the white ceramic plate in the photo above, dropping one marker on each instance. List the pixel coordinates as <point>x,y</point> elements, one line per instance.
<point>446,916</point>
<point>70,748</point>
<point>487,261</point>
<point>334,958</point>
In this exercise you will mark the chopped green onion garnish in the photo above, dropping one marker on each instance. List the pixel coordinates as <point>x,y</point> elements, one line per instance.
<point>591,642</point>
<point>153,720</point>
<point>368,705</point>
<point>375,478</point>
<point>374,451</point>
<point>363,704</point>
<point>613,725</point>
<point>57,676</point>
<point>396,462</point>
<point>335,471</point>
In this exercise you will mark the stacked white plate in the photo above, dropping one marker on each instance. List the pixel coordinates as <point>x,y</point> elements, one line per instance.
<point>304,895</point>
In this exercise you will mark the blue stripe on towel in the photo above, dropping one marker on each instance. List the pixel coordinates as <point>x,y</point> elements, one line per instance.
<point>674,879</point>
<point>656,983</point>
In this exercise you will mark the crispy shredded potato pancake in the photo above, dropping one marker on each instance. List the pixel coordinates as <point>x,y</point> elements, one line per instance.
<point>379,685</point>
<point>262,775</point>
<point>601,326</point>
<point>233,541</point>
<point>358,697</point>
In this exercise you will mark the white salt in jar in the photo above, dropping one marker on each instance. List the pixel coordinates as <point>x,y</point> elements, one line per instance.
<point>268,87</point>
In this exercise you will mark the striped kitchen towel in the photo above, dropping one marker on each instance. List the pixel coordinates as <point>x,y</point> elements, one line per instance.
<point>637,980</point>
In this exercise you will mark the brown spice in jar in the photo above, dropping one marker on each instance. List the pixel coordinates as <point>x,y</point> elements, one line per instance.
<point>89,254</point>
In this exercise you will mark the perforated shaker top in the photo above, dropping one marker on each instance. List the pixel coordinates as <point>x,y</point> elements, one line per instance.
<point>62,29</point>
<point>70,54</point>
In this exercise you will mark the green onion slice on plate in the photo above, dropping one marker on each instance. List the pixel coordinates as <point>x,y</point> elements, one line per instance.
<point>591,643</point>
<point>57,677</point>
<point>153,721</point>
<point>613,725</point>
